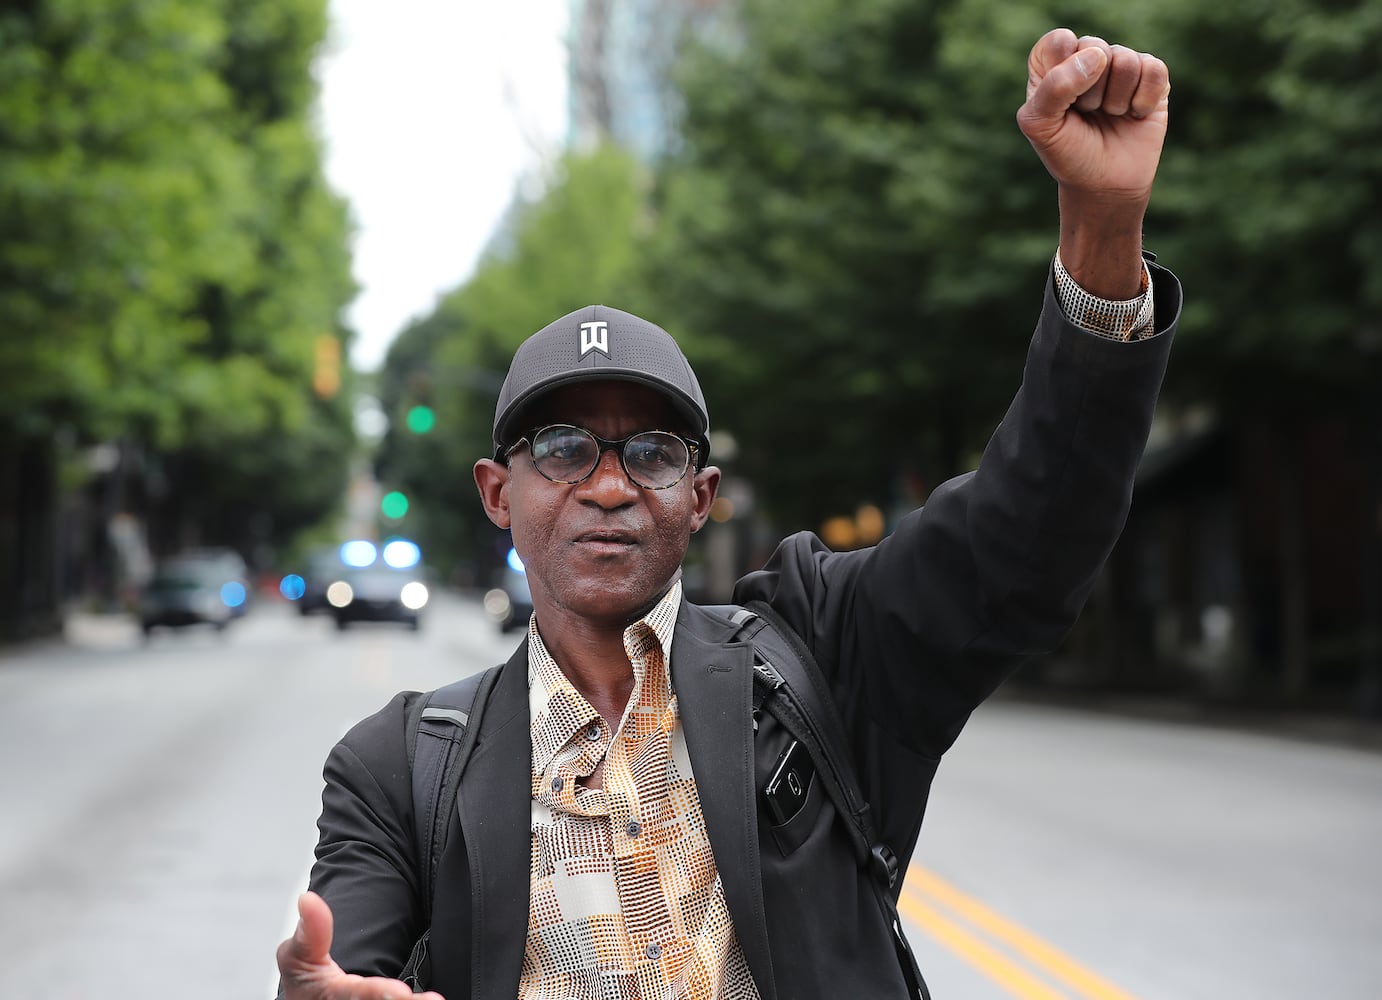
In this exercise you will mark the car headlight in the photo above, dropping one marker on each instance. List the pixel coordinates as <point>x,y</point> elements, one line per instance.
<point>414,595</point>
<point>497,604</point>
<point>340,594</point>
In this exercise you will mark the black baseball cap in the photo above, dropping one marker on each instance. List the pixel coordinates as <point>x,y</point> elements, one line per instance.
<point>597,342</point>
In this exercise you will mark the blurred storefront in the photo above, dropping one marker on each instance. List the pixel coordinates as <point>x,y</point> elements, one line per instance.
<point>1248,571</point>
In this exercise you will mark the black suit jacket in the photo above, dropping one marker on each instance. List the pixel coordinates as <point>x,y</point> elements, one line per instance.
<point>913,634</point>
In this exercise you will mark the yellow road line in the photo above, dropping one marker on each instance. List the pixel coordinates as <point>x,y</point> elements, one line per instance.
<point>923,886</point>
<point>994,964</point>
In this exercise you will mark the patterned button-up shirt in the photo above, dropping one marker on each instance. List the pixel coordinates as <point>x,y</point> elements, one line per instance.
<point>626,900</point>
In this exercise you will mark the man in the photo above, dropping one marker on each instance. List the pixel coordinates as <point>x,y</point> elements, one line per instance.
<point>610,840</point>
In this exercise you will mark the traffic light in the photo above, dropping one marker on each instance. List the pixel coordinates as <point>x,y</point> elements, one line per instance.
<point>421,419</point>
<point>394,505</point>
<point>326,372</point>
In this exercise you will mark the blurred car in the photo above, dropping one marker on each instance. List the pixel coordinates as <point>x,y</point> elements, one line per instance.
<point>324,567</point>
<point>198,588</point>
<point>230,566</point>
<point>510,604</point>
<point>378,593</point>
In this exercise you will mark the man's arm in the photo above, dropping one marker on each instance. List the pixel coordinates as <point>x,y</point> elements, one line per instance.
<point>363,876</point>
<point>997,566</point>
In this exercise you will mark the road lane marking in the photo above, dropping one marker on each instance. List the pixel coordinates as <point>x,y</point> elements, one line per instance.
<point>992,963</point>
<point>923,888</point>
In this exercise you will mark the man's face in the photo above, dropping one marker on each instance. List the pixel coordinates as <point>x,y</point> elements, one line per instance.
<point>604,549</point>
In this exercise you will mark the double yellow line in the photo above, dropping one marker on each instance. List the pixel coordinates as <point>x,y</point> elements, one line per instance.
<point>932,904</point>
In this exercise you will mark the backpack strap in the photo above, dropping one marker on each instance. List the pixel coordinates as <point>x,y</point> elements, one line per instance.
<point>789,684</point>
<point>441,733</point>
<point>442,727</point>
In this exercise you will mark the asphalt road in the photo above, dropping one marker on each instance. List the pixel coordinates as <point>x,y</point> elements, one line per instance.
<point>157,806</point>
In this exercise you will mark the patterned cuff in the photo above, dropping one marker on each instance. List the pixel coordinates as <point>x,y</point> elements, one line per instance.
<point>1130,319</point>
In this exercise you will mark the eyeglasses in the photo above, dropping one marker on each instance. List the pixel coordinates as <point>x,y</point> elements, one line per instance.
<point>563,453</point>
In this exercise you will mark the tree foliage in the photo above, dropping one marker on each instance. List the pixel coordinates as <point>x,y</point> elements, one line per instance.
<point>114,190</point>
<point>170,254</point>
<point>1271,198</point>
<point>852,240</point>
<point>855,234</point>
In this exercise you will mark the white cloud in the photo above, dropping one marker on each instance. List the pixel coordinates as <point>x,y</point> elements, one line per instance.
<point>430,110</point>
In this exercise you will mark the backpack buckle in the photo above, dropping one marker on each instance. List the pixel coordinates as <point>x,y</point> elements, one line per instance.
<point>883,864</point>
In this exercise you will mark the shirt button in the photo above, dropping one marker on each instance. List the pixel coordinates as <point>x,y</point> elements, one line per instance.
<point>592,731</point>
<point>653,950</point>
<point>633,829</point>
<point>556,784</point>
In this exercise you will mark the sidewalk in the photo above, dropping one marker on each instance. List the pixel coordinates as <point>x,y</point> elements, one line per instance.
<point>92,630</point>
<point>1332,728</point>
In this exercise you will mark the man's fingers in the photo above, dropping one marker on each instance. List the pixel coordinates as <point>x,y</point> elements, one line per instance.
<point>313,934</point>
<point>1062,86</point>
<point>1093,98</point>
<point>374,988</point>
<point>308,952</point>
<point>307,969</point>
<point>1124,72</point>
<point>1051,49</point>
<point>1153,87</point>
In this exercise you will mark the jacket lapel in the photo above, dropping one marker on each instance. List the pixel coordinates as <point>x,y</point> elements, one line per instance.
<point>713,679</point>
<point>495,817</point>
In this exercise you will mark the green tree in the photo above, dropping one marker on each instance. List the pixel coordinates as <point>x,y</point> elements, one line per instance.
<point>169,256</point>
<point>1272,195</point>
<point>853,238</point>
<point>248,417</point>
<point>1272,187</point>
<point>113,195</point>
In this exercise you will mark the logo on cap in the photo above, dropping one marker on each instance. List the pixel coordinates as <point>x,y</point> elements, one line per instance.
<point>595,337</point>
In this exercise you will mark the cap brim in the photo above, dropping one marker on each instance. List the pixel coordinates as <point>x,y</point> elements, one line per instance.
<point>513,425</point>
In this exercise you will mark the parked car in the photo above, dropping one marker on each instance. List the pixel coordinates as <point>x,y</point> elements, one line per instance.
<point>196,588</point>
<point>228,564</point>
<point>378,593</point>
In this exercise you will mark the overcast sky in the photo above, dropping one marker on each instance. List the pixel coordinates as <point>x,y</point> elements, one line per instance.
<point>430,111</point>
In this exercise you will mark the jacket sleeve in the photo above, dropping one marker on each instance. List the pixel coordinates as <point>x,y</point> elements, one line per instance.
<point>365,853</point>
<point>916,631</point>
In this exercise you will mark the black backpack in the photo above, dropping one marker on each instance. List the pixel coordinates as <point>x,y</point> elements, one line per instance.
<point>787,684</point>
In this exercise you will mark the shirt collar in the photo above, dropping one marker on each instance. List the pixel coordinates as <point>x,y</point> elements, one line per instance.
<point>557,711</point>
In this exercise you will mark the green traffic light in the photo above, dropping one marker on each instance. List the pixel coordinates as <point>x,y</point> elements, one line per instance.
<point>394,505</point>
<point>421,419</point>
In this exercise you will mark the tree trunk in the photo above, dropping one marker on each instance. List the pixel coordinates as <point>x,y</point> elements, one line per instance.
<point>1295,589</point>
<point>1369,695</point>
<point>29,602</point>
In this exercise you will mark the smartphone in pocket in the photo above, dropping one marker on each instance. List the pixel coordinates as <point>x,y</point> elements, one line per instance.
<point>786,790</point>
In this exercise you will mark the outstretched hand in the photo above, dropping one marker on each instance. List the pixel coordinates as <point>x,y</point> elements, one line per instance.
<point>309,973</point>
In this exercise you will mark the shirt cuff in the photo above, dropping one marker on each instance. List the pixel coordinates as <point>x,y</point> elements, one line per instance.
<point>1129,319</point>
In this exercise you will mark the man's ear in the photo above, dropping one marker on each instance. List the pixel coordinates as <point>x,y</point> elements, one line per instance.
<point>703,486</point>
<point>492,479</point>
